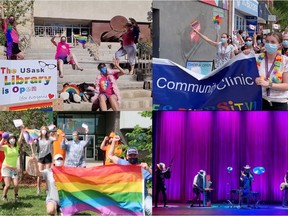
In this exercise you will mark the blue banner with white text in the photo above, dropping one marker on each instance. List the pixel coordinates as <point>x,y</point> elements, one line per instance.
<point>231,87</point>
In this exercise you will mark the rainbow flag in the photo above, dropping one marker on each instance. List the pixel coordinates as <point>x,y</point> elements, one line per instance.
<point>81,39</point>
<point>30,135</point>
<point>106,190</point>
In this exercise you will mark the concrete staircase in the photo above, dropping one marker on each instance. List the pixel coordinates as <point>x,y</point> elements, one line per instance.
<point>134,97</point>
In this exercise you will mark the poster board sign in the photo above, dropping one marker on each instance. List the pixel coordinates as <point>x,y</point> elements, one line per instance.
<point>201,67</point>
<point>25,81</point>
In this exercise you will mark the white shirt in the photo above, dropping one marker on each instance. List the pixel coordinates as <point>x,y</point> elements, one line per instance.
<point>275,96</point>
<point>223,54</point>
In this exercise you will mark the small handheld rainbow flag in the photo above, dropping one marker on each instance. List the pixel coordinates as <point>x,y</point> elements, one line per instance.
<point>217,20</point>
<point>30,135</point>
<point>106,190</point>
<point>81,39</point>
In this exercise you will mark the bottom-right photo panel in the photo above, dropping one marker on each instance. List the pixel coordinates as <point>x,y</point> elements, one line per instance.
<point>220,163</point>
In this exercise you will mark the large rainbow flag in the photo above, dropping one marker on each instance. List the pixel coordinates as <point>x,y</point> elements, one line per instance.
<point>106,190</point>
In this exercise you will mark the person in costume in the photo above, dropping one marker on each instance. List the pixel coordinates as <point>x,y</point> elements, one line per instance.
<point>273,76</point>
<point>246,184</point>
<point>12,37</point>
<point>132,158</point>
<point>64,55</point>
<point>106,89</point>
<point>105,146</point>
<point>9,166</point>
<point>198,186</point>
<point>161,174</point>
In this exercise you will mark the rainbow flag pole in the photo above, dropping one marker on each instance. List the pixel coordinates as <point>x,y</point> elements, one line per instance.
<point>106,190</point>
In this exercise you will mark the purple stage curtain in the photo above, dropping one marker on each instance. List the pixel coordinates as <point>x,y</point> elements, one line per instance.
<point>215,140</point>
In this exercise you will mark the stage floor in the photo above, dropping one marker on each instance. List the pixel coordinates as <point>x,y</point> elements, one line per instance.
<point>219,209</point>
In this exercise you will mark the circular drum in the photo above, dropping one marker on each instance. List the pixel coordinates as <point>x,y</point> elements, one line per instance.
<point>117,23</point>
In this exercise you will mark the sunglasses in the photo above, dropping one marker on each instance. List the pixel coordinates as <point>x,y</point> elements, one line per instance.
<point>59,159</point>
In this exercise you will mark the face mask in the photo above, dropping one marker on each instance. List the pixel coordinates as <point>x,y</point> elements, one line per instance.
<point>259,41</point>
<point>11,20</point>
<point>133,160</point>
<point>248,43</point>
<point>271,48</point>
<point>12,141</point>
<point>75,138</point>
<point>223,40</point>
<point>58,162</point>
<point>285,43</point>
<point>103,70</point>
<point>43,132</point>
<point>264,41</point>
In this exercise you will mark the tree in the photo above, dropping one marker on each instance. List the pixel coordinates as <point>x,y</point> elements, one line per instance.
<point>31,119</point>
<point>141,138</point>
<point>280,9</point>
<point>19,9</point>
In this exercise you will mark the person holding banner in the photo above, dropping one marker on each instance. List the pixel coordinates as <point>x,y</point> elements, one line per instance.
<point>64,55</point>
<point>224,50</point>
<point>45,143</point>
<point>273,68</point>
<point>132,159</point>
<point>9,166</point>
<point>75,150</point>
<point>12,37</point>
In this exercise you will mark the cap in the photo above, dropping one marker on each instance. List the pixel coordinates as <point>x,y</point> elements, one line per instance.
<point>57,156</point>
<point>132,150</point>
<point>161,166</point>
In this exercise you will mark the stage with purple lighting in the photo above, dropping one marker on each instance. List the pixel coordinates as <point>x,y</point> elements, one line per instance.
<point>222,143</point>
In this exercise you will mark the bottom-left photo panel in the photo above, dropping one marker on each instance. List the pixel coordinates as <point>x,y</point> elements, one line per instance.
<point>68,163</point>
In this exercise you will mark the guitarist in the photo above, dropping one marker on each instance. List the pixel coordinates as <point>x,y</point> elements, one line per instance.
<point>161,174</point>
<point>198,186</point>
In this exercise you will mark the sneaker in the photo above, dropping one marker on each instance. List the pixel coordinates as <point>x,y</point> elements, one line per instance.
<point>4,199</point>
<point>16,198</point>
<point>38,192</point>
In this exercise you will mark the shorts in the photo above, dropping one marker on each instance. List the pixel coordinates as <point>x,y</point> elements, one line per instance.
<point>64,59</point>
<point>8,172</point>
<point>46,159</point>
<point>15,48</point>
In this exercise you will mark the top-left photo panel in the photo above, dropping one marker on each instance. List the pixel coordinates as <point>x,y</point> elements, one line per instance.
<point>76,55</point>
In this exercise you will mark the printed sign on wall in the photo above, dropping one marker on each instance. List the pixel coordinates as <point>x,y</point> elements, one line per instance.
<point>27,81</point>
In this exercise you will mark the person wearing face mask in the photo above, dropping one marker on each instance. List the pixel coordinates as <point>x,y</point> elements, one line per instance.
<point>128,44</point>
<point>132,158</point>
<point>248,47</point>
<point>45,143</point>
<point>106,90</point>
<point>224,50</point>
<point>12,37</point>
<point>64,55</point>
<point>273,76</point>
<point>52,199</point>
<point>285,45</point>
<point>105,146</point>
<point>75,150</point>
<point>9,166</point>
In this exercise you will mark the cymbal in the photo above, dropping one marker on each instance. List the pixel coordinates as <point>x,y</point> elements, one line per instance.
<point>259,170</point>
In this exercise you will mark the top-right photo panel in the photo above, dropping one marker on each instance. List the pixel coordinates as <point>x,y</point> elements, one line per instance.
<point>220,55</point>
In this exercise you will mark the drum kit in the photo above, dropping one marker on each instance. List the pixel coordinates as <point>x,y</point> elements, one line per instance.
<point>239,192</point>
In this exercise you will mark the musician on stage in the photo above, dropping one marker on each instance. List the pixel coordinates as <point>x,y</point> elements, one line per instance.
<point>161,174</point>
<point>285,190</point>
<point>198,186</point>
<point>246,184</point>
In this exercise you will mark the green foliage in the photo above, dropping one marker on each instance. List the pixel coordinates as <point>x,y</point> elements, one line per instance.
<point>144,47</point>
<point>280,9</point>
<point>17,8</point>
<point>142,139</point>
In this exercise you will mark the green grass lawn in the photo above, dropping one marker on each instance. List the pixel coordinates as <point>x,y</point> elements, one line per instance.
<point>29,203</point>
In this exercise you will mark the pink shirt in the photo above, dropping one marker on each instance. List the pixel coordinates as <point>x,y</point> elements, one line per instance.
<point>128,38</point>
<point>106,85</point>
<point>14,33</point>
